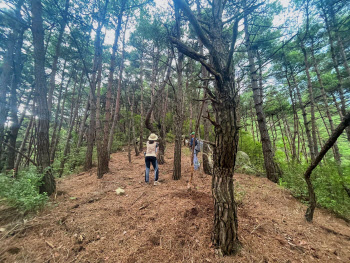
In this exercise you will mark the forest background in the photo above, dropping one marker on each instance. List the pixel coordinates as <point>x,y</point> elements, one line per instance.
<point>83,79</point>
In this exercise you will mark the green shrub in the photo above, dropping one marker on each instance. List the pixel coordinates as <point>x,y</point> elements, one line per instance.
<point>328,185</point>
<point>253,149</point>
<point>170,138</point>
<point>23,192</point>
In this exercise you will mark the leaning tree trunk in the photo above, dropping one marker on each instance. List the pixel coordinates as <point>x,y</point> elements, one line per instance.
<point>325,101</point>
<point>41,109</point>
<point>269,162</point>
<point>332,139</point>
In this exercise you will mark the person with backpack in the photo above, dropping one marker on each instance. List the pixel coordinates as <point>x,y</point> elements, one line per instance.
<point>151,157</point>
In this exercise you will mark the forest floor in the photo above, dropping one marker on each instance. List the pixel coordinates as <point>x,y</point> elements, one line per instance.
<point>88,222</point>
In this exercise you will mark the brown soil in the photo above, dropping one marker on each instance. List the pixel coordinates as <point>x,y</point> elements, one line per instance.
<point>88,222</point>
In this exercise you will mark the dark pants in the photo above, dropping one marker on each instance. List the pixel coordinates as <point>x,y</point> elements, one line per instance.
<point>148,161</point>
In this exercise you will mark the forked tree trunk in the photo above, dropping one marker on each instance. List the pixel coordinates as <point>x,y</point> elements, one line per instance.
<point>41,109</point>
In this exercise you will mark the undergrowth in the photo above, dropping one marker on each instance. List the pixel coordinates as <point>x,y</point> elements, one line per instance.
<point>23,192</point>
<point>329,185</point>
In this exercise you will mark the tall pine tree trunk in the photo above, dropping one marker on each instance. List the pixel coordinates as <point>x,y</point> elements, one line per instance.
<point>178,115</point>
<point>16,79</point>
<point>141,105</point>
<point>93,84</point>
<point>269,162</point>
<point>311,96</point>
<point>41,109</point>
<point>57,54</point>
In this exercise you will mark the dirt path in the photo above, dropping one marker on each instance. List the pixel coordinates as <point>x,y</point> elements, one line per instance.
<point>88,222</point>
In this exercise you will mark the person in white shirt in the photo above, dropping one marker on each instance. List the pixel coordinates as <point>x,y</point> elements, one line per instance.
<point>151,157</point>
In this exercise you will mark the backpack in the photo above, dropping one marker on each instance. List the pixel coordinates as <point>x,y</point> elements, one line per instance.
<point>197,146</point>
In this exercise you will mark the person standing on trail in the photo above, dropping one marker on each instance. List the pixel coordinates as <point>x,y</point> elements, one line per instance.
<point>151,157</point>
<point>196,150</point>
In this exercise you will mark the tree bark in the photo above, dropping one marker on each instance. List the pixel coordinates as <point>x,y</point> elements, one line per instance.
<point>41,109</point>
<point>224,236</point>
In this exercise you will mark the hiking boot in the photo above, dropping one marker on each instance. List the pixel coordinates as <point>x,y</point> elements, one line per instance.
<point>156,183</point>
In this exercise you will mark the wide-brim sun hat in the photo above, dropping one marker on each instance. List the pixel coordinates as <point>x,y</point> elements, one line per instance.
<point>153,137</point>
<point>193,133</point>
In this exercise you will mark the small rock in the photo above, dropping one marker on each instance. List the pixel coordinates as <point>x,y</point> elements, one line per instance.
<point>2,229</point>
<point>120,191</point>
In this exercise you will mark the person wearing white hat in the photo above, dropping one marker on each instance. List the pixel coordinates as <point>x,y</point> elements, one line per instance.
<point>151,157</point>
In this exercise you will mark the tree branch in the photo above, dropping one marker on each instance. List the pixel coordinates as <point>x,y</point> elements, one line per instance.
<point>193,20</point>
<point>232,48</point>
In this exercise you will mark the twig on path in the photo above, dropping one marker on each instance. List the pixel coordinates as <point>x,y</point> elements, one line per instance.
<point>137,199</point>
<point>144,206</point>
<point>49,244</point>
